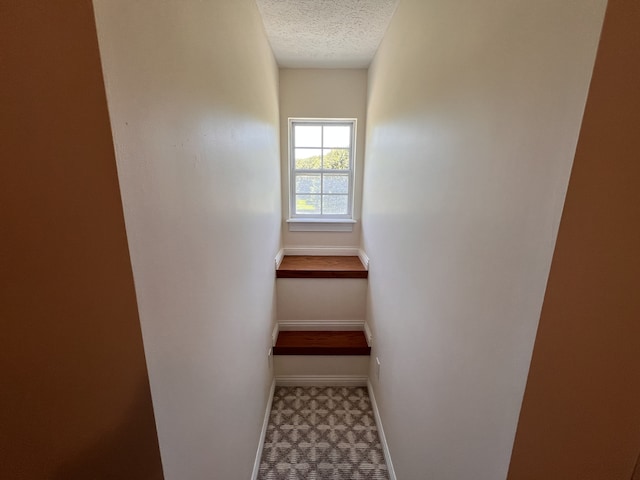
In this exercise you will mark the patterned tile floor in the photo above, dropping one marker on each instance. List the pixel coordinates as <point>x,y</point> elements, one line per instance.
<point>322,433</point>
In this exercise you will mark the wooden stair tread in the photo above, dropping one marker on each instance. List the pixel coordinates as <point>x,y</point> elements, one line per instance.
<point>315,266</point>
<point>321,343</point>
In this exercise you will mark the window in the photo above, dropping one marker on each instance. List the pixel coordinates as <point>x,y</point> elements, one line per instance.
<point>321,158</point>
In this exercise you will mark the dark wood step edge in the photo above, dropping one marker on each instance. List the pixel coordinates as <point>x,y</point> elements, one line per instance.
<point>319,266</point>
<point>350,342</point>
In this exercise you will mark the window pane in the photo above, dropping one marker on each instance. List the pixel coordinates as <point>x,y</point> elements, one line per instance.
<point>308,184</point>
<point>307,204</point>
<point>335,204</point>
<point>336,159</point>
<point>308,136</point>
<point>308,159</point>
<point>337,136</point>
<point>335,183</point>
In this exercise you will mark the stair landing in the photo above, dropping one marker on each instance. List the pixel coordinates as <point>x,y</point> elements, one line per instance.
<point>321,343</point>
<point>307,266</point>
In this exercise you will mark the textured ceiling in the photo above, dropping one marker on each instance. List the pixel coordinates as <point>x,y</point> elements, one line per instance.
<point>325,33</point>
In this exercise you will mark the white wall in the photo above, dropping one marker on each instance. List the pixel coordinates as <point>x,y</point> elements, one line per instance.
<point>323,93</point>
<point>473,115</point>
<point>306,298</point>
<point>192,91</point>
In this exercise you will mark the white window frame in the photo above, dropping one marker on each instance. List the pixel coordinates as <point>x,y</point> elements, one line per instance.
<point>315,221</point>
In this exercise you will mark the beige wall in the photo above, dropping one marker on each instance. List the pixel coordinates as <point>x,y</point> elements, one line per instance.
<point>323,93</point>
<point>581,411</point>
<point>192,89</point>
<point>74,392</point>
<point>473,118</point>
<point>307,299</point>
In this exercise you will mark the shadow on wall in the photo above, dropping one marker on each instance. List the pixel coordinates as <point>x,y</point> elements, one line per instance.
<point>125,453</point>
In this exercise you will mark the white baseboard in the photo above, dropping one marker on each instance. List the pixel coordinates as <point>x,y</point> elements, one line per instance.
<point>320,325</point>
<point>321,380</point>
<point>367,333</point>
<point>263,432</point>
<point>322,251</point>
<point>364,258</point>
<point>383,438</point>
<point>279,257</point>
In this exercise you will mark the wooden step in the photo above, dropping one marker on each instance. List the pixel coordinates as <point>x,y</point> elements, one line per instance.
<point>321,343</point>
<point>306,266</point>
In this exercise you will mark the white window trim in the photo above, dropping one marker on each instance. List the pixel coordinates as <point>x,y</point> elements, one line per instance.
<point>320,224</point>
<point>327,223</point>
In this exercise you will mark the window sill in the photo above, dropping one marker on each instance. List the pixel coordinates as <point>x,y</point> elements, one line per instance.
<point>320,224</point>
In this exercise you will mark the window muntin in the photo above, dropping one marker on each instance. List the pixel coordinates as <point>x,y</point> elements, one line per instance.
<point>321,157</point>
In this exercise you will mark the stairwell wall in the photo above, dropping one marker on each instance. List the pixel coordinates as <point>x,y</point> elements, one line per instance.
<point>74,390</point>
<point>474,111</point>
<point>580,416</point>
<point>192,89</point>
<point>323,93</point>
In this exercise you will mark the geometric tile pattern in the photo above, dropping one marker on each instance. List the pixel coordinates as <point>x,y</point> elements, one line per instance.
<point>322,433</point>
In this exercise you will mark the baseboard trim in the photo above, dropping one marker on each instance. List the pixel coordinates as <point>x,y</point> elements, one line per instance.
<point>367,333</point>
<point>279,257</point>
<point>383,438</point>
<point>321,380</point>
<point>263,432</point>
<point>319,325</point>
<point>364,258</point>
<point>322,251</point>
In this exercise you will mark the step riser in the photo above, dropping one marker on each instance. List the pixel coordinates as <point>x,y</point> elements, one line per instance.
<point>321,365</point>
<point>322,380</point>
<point>320,298</point>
